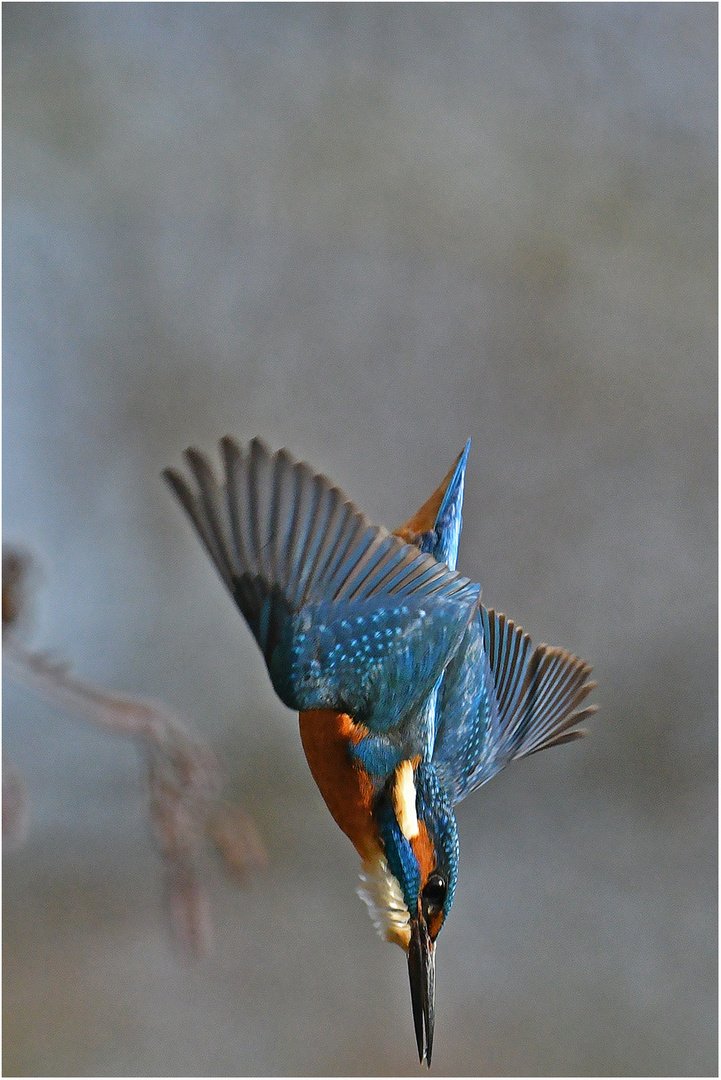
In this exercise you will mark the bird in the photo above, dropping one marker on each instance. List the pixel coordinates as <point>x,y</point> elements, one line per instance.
<point>410,692</point>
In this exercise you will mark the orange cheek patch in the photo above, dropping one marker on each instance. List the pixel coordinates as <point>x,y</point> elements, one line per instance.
<point>423,850</point>
<point>435,922</point>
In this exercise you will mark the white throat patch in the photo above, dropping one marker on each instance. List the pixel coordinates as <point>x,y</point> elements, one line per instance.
<point>382,893</point>
<point>404,800</point>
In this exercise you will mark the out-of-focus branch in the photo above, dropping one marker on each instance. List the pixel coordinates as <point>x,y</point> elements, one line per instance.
<point>15,801</point>
<point>14,587</point>
<point>184,780</point>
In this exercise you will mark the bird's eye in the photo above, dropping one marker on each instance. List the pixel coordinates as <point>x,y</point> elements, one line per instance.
<point>435,891</point>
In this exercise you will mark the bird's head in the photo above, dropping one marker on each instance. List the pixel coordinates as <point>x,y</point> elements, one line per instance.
<point>409,888</point>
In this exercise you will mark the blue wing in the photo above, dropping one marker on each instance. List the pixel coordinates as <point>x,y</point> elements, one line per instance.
<point>500,699</point>
<point>348,617</point>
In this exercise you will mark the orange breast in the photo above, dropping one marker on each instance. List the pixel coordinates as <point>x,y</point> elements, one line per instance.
<point>343,783</point>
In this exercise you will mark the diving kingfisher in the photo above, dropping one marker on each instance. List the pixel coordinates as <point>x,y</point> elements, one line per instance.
<point>411,693</point>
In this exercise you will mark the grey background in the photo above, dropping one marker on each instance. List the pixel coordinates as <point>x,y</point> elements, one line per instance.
<point>367,232</point>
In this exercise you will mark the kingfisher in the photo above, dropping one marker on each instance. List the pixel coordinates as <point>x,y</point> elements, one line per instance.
<point>410,692</point>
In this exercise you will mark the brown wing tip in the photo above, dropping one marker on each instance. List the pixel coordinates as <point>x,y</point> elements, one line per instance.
<point>565,737</point>
<point>177,483</point>
<point>229,445</point>
<point>197,462</point>
<point>564,654</point>
<point>170,476</point>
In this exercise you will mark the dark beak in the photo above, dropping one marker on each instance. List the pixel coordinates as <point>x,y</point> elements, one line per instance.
<point>422,971</point>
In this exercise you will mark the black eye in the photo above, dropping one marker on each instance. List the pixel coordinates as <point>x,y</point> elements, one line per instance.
<point>435,891</point>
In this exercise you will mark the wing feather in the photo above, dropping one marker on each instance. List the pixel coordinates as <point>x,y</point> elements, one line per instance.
<point>501,700</point>
<point>307,568</point>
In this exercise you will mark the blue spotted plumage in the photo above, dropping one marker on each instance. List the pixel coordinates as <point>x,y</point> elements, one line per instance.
<point>411,693</point>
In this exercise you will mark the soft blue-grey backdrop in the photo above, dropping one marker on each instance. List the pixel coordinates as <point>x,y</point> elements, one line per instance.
<point>367,232</point>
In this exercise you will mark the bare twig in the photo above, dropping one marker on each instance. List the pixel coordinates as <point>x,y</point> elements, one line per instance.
<point>15,823</point>
<point>184,780</point>
<point>16,564</point>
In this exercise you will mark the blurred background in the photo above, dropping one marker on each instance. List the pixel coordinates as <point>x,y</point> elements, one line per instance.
<point>366,232</point>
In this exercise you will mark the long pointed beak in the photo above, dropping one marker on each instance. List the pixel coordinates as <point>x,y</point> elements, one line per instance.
<point>422,972</point>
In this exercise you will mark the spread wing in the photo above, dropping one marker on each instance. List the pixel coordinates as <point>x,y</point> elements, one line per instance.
<point>346,615</point>
<point>501,699</point>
